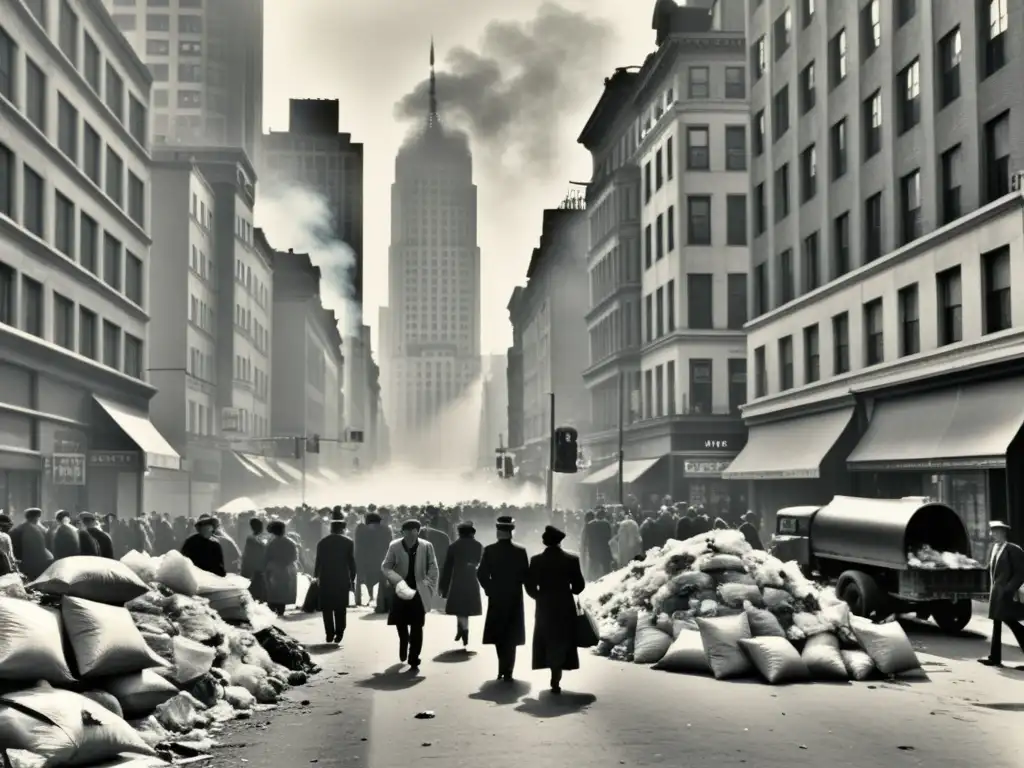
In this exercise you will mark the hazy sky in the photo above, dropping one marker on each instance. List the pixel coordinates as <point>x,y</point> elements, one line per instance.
<point>371,55</point>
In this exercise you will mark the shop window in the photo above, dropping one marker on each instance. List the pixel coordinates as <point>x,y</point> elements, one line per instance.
<point>996,266</point>
<point>950,303</point>
<point>910,326</point>
<point>840,343</point>
<point>700,386</point>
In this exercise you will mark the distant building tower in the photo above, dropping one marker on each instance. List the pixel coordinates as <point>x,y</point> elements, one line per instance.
<point>432,347</point>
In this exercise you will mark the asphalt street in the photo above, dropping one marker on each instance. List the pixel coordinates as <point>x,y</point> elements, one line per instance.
<point>362,711</point>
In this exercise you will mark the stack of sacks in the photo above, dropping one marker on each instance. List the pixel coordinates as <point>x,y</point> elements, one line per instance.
<point>712,604</point>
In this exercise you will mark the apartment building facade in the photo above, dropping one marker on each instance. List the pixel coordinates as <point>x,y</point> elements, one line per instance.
<point>886,231</point>
<point>75,171</point>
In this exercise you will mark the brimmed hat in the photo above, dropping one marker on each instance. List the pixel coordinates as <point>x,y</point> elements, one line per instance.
<point>551,536</point>
<point>998,524</point>
<point>505,523</point>
<point>5,519</point>
<point>87,517</point>
<point>410,525</point>
<point>209,520</point>
<point>466,525</point>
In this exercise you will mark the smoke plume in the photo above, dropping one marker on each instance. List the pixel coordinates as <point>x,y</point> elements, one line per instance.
<point>298,218</point>
<point>511,93</point>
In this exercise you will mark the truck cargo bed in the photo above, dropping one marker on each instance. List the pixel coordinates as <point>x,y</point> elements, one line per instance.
<point>943,583</point>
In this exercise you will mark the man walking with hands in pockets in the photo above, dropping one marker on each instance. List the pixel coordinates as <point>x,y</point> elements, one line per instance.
<point>1006,567</point>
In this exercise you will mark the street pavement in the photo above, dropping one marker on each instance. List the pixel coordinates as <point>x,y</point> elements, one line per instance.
<point>362,711</point>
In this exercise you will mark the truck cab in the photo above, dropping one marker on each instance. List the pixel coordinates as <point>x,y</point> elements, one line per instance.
<point>792,537</point>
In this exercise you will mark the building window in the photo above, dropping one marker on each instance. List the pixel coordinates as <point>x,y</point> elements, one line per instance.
<point>158,47</point>
<point>874,340</point>
<point>63,322</point>
<point>133,356</point>
<point>67,128</point>
<point>161,74</point>
<point>88,243</point>
<point>781,192</point>
<point>111,345</point>
<point>811,266</point>
<point>698,220</point>
<point>806,12</point>
<point>700,314</point>
<point>760,210</point>
<point>659,313</point>
<point>737,384</point>
<point>648,183</point>
<point>190,25</point>
<point>808,173</point>
<point>812,355</point>
<point>114,92</point>
<point>808,89</point>
<point>910,327</point>
<point>950,302</point>
<point>701,387</point>
<point>136,199</point>
<point>840,343</point>
<point>64,225</point>
<point>86,333</point>
<point>910,96</point>
<point>995,40</point>
<point>950,54</point>
<point>735,83</point>
<point>838,149</point>
<point>997,156</point>
<point>871,23</point>
<point>648,394</point>
<point>785,363</point>
<point>35,95</point>
<point>8,307</point>
<point>68,33</point>
<point>133,278</point>
<point>115,177</point>
<point>158,22</point>
<point>841,245</point>
<point>905,11</point>
<point>697,149</point>
<point>670,158</point>
<point>34,210</point>
<point>910,207</point>
<point>137,120</point>
<point>670,229</point>
<point>735,148</point>
<point>736,220</point>
<point>837,58</point>
<point>996,266</point>
<point>670,388</point>
<point>952,176</point>
<point>111,261</point>
<point>31,307</point>
<point>670,297</point>
<point>759,58</point>
<point>760,373</point>
<point>648,247</point>
<point>761,303</point>
<point>659,172</point>
<point>7,195</point>
<point>190,99</point>
<point>780,113</point>
<point>8,71</point>
<point>91,63</point>
<point>786,277</point>
<point>737,300</point>
<point>782,33</point>
<point>649,316</point>
<point>659,237</point>
<point>190,73</point>
<point>190,48</point>
<point>91,148</point>
<point>699,83</point>
<point>873,227</point>
<point>873,125</point>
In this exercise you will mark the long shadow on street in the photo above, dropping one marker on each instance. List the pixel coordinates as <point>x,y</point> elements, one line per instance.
<point>392,679</point>
<point>501,692</point>
<point>548,705</point>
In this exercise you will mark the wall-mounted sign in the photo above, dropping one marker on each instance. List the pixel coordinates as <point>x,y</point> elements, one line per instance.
<point>67,468</point>
<point>114,459</point>
<point>697,468</point>
<point>696,443</point>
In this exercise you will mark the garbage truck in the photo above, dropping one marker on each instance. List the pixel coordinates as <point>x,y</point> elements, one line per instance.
<point>864,546</point>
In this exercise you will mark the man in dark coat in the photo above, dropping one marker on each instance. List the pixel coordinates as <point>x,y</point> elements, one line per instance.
<point>203,550</point>
<point>749,528</point>
<point>232,555</point>
<point>372,540</point>
<point>64,538</point>
<point>502,574</point>
<point>434,532</point>
<point>335,572</point>
<point>94,538</point>
<point>686,525</point>
<point>1006,567</point>
<point>29,542</point>
<point>554,577</point>
<point>459,586</point>
<point>598,536</point>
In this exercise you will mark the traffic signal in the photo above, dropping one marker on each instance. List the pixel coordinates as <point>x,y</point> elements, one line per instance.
<point>566,450</point>
<point>313,444</point>
<point>507,467</point>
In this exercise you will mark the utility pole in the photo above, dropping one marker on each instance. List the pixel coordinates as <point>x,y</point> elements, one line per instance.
<point>622,453</point>
<point>302,442</point>
<point>551,453</point>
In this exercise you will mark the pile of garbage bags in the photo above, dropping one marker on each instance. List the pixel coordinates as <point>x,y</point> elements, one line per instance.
<point>100,658</point>
<point>929,558</point>
<point>714,605</point>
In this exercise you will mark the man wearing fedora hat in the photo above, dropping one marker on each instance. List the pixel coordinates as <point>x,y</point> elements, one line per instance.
<point>502,575</point>
<point>202,549</point>
<point>411,560</point>
<point>1006,569</point>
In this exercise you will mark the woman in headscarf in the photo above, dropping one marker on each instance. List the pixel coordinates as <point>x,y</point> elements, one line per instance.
<point>627,544</point>
<point>554,578</point>
<point>459,585</point>
<point>254,560</point>
<point>282,568</point>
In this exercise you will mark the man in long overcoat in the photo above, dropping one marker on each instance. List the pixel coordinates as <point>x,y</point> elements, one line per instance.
<point>598,537</point>
<point>29,541</point>
<point>371,542</point>
<point>502,574</point>
<point>89,527</point>
<point>435,533</point>
<point>459,585</point>
<point>254,560</point>
<point>63,538</point>
<point>1006,567</point>
<point>335,572</point>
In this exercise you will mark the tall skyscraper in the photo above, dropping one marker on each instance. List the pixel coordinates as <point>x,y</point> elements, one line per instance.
<point>207,66</point>
<point>432,351</point>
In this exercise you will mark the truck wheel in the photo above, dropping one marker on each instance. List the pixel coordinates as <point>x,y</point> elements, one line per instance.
<point>862,594</point>
<point>953,616</point>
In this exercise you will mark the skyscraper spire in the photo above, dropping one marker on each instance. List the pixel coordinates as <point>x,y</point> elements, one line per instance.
<point>433,121</point>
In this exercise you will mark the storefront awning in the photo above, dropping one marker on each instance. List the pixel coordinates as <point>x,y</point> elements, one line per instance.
<point>330,474</point>
<point>967,427</point>
<point>264,466</point>
<point>246,465</point>
<point>791,449</point>
<point>140,430</point>
<point>635,469</point>
<point>601,475</point>
<point>286,469</point>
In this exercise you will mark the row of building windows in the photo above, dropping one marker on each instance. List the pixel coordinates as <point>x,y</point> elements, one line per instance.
<point>659,397</point>
<point>996,317</point>
<point>700,86</point>
<point>255,287</point>
<point>188,23</point>
<point>616,331</point>
<point>76,234</point>
<point>698,156</point>
<point>660,305</point>
<point>253,375</point>
<point>660,237</point>
<point>74,327</point>
<point>200,366</point>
